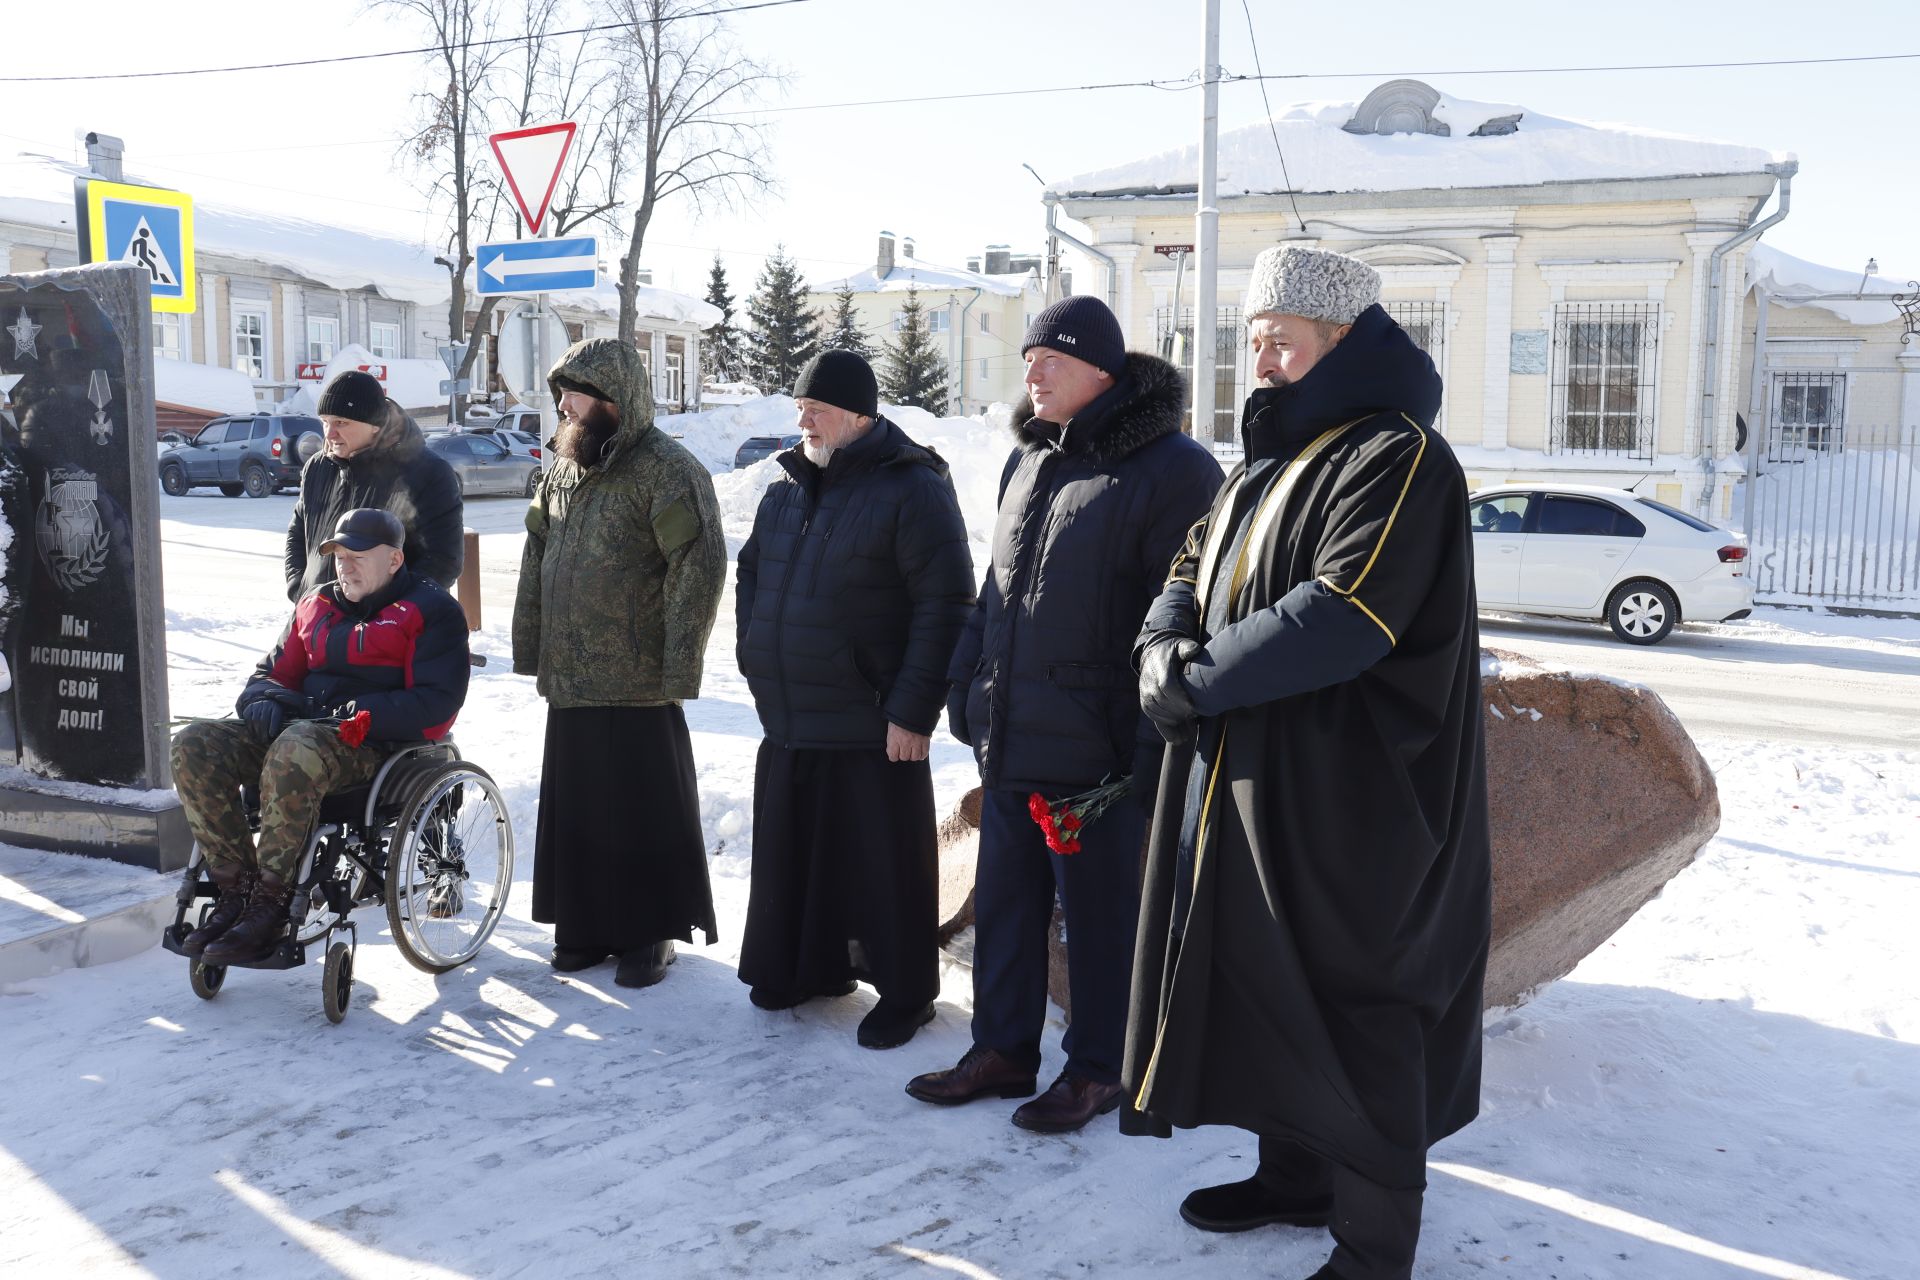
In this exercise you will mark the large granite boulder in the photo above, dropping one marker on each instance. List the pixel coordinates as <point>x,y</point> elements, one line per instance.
<point>1597,795</point>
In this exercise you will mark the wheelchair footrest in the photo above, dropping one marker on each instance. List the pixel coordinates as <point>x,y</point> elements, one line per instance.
<point>288,955</point>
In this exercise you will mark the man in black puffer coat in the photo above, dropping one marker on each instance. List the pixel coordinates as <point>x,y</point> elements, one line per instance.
<point>850,596</point>
<point>1094,503</point>
<point>375,457</point>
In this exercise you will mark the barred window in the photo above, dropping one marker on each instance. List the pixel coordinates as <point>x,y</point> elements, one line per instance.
<point>1809,415</point>
<point>1426,324</point>
<point>1604,359</point>
<point>1176,344</point>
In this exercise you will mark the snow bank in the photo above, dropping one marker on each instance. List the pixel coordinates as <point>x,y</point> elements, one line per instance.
<point>1784,276</point>
<point>1321,156</point>
<point>714,435</point>
<point>203,386</point>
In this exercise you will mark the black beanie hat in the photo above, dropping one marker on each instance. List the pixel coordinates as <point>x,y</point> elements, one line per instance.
<point>355,394</point>
<point>841,379</point>
<point>1083,328</point>
<point>564,383</point>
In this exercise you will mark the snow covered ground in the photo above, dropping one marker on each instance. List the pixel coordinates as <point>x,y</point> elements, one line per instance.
<point>1729,1088</point>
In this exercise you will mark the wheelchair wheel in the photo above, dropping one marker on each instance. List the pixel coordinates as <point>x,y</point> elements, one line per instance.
<point>206,979</point>
<point>449,867</point>
<point>336,983</point>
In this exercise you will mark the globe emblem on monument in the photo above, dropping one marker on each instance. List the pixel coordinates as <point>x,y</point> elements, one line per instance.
<point>67,529</point>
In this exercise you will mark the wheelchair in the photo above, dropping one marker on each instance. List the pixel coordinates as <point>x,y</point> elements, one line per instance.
<point>428,837</point>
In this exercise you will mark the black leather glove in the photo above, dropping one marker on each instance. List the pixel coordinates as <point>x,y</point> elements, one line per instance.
<point>265,718</point>
<point>1162,695</point>
<point>297,705</point>
<point>957,713</point>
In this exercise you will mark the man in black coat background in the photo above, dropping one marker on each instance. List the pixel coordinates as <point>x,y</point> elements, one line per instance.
<point>375,456</point>
<point>1094,501</point>
<point>850,594</point>
<point>1317,903</point>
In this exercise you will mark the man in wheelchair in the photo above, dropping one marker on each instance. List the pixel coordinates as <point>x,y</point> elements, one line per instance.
<point>369,661</point>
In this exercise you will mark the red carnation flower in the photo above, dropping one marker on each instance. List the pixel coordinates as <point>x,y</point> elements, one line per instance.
<point>354,732</point>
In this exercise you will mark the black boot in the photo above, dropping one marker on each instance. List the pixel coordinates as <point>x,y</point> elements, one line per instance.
<point>260,927</point>
<point>645,966</point>
<point>235,883</point>
<point>1242,1206</point>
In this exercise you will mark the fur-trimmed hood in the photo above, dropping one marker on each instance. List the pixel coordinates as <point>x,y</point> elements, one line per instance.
<point>1144,405</point>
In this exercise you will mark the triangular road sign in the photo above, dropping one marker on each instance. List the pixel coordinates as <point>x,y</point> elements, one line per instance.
<point>145,250</point>
<point>532,159</point>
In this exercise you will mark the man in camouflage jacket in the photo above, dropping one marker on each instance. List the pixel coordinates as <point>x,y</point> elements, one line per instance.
<point>620,580</point>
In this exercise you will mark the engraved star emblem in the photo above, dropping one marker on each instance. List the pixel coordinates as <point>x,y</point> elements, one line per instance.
<point>24,330</point>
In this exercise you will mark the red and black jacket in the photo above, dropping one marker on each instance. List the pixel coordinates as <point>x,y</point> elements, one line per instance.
<point>400,654</point>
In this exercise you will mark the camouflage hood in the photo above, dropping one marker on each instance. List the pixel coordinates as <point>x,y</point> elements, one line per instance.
<point>612,370</point>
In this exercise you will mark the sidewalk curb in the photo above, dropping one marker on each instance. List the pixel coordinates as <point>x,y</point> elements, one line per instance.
<point>116,935</point>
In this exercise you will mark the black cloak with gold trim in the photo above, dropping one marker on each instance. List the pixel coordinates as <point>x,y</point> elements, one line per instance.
<point>1316,911</point>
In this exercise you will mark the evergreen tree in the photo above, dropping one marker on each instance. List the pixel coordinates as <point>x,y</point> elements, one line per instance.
<point>785,333</point>
<point>722,352</point>
<point>843,328</point>
<point>915,370</point>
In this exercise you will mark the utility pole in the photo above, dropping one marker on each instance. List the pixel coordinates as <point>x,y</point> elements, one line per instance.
<point>1206,266</point>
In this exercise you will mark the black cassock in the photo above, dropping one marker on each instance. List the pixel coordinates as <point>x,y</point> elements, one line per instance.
<point>619,861</point>
<point>1316,910</point>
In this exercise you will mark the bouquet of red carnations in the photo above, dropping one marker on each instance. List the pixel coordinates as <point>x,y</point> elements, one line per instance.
<point>1064,819</point>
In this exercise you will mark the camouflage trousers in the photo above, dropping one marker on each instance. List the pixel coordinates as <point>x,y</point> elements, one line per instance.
<point>302,766</point>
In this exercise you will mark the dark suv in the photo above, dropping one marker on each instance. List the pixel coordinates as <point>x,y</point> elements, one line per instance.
<point>255,455</point>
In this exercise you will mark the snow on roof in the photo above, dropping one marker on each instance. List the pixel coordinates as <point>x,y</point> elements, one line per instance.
<point>1322,156</point>
<point>338,257</point>
<point>201,386</point>
<point>1784,276</point>
<point>928,277</point>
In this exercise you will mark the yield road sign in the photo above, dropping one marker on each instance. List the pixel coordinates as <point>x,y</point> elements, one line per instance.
<point>147,226</point>
<point>537,266</point>
<point>531,160</point>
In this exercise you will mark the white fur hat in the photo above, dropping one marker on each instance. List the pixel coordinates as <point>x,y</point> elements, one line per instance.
<point>1313,283</point>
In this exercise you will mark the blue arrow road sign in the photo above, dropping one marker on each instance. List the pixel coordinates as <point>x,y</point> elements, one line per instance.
<point>537,266</point>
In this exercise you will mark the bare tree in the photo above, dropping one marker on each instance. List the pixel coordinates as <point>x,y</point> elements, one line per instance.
<point>446,142</point>
<point>680,75</point>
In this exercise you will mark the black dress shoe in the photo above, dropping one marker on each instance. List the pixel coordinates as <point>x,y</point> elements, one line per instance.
<point>574,959</point>
<point>979,1072</point>
<point>645,966</point>
<point>774,999</point>
<point>885,1027</point>
<point>1067,1105</point>
<point>1242,1206</point>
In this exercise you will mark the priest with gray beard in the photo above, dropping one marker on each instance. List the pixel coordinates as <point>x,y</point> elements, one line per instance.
<point>850,596</point>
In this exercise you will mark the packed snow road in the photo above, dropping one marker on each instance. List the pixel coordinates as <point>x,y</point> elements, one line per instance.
<point>1782,676</point>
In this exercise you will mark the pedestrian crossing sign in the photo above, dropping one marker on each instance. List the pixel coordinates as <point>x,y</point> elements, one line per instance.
<point>149,227</point>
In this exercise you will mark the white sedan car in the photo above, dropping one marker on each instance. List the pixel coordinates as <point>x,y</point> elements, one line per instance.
<point>1586,551</point>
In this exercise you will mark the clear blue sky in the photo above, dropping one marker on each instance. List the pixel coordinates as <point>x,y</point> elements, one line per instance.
<point>319,141</point>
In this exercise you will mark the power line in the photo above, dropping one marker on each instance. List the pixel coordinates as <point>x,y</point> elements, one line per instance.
<point>396,53</point>
<point>1272,128</point>
<point>1533,71</point>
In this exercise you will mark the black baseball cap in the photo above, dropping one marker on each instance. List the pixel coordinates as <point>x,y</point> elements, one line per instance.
<point>364,528</point>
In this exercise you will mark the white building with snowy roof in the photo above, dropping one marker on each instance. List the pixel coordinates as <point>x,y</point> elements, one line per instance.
<point>1558,272</point>
<point>281,297</point>
<point>978,312</point>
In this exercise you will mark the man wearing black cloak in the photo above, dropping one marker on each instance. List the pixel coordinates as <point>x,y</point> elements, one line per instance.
<point>1317,906</point>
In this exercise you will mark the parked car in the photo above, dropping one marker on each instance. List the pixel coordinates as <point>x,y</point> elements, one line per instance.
<point>256,455</point>
<point>523,443</point>
<point>484,465</point>
<point>520,417</point>
<point>1587,551</point>
<point>753,450</point>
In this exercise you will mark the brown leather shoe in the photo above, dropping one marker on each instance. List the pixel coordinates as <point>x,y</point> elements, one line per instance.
<point>234,883</point>
<point>260,927</point>
<point>1067,1105</point>
<point>979,1072</point>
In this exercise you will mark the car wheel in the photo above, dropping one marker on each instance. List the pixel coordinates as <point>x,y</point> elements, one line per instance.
<point>255,481</point>
<point>231,490</point>
<point>1642,612</point>
<point>533,481</point>
<point>173,479</point>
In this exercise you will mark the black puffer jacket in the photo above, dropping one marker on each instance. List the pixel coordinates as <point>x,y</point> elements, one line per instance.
<point>851,593</point>
<point>1090,517</point>
<point>397,473</point>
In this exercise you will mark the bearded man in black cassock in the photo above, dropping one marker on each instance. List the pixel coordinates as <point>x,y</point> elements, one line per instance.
<point>1316,912</point>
